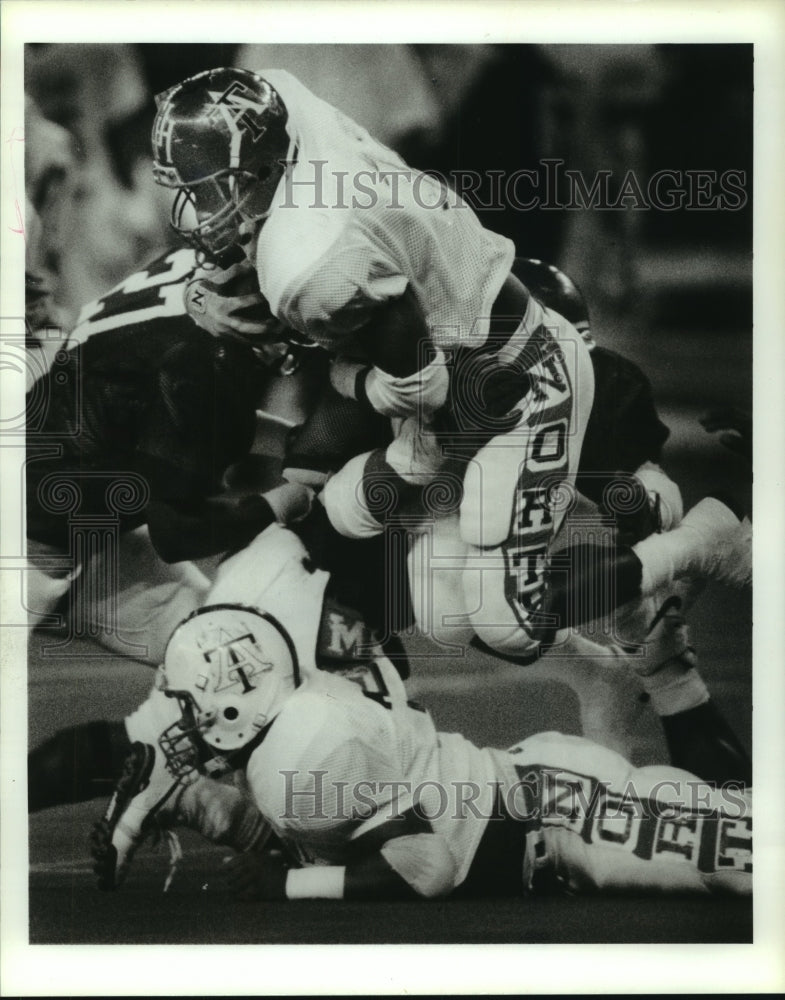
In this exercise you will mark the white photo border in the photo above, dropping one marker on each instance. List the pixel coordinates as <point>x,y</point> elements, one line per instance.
<point>108,970</point>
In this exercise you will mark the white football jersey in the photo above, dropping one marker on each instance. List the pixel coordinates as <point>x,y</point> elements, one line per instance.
<point>348,746</point>
<point>269,574</point>
<point>344,750</point>
<point>352,226</point>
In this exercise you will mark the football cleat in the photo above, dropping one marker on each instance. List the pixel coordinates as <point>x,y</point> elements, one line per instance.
<point>721,546</point>
<point>142,789</point>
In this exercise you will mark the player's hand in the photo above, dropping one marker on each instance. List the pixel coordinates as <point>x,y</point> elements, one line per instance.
<point>256,876</point>
<point>735,428</point>
<point>228,302</point>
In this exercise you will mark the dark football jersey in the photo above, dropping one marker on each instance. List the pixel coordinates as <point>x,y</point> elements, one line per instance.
<point>624,430</point>
<point>143,398</point>
<point>150,298</point>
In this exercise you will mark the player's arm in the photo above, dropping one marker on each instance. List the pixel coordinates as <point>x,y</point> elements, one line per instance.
<point>196,529</point>
<point>400,858</point>
<point>357,302</point>
<point>387,847</point>
<point>228,302</point>
<point>401,371</point>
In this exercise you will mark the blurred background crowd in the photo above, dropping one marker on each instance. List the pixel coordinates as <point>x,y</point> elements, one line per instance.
<point>448,108</point>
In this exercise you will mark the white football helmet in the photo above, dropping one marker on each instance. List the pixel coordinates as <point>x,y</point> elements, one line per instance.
<point>231,668</point>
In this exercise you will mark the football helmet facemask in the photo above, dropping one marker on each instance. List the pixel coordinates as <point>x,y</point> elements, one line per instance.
<point>220,140</point>
<point>231,668</point>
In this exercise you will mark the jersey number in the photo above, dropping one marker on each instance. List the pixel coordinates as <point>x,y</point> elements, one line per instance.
<point>146,295</point>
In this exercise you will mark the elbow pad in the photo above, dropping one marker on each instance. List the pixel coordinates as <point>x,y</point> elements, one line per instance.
<point>424,861</point>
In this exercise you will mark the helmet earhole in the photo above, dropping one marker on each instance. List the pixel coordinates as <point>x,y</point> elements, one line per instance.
<point>231,713</point>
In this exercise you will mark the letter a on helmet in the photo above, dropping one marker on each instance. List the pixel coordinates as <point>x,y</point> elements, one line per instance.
<point>231,668</point>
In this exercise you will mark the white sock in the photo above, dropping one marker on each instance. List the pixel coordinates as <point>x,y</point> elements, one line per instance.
<point>673,689</point>
<point>657,481</point>
<point>665,556</point>
<point>657,555</point>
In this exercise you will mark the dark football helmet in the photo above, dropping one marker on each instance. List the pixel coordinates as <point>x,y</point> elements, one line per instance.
<point>220,140</point>
<point>556,291</point>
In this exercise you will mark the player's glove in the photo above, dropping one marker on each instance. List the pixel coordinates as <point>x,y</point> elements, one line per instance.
<point>229,302</point>
<point>256,876</point>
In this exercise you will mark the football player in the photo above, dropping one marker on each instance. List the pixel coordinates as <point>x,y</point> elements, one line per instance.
<point>372,260</point>
<point>365,796</point>
<point>146,412</point>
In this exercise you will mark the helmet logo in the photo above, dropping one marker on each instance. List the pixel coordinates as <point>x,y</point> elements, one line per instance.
<point>240,111</point>
<point>163,128</point>
<point>237,660</point>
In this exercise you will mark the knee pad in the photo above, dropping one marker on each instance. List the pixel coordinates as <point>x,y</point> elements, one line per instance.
<point>486,507</point>
<point>490,613</point>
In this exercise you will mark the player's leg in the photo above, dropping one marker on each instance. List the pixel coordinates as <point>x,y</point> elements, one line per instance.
<point>620,467</point>
<point>436,565</point>
<point>76,764</point>
<point>602,825</point>
<point>522,583</point>
<point>699,738</point>
<point>132,600</point>
<point>519,486</point>
<point>710,542</point>
<point>512,579</point>
<point>147,796</point>
<point>84,761</point>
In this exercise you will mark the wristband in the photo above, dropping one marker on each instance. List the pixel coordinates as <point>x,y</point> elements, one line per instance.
<point>360,382</point>
<point>318,882</point>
